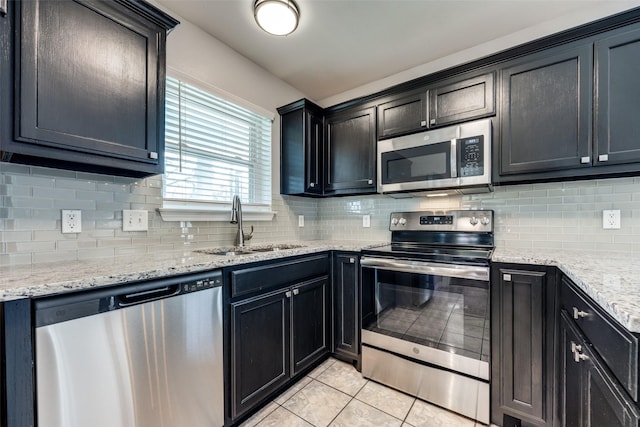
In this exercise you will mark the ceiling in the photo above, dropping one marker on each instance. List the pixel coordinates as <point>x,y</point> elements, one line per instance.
<point>343,44</point>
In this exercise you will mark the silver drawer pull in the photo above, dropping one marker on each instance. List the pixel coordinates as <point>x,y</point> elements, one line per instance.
<point>296,291</point>
<point>578,314</point>
<point>506,277</point>
<point>575,347</point>
<point>579,357</point>
<point>352,260</point>
<point>312,184</point>
<point>288,294</point>
<point>423,123</point>
<point>603,158</point>
<point>585,160</point>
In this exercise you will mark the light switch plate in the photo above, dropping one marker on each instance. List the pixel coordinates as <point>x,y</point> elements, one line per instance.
<point>366,221</point>
<point>135,220</point>
<point>71,221</point>
<point>611,219</point>
<point>300,220</point>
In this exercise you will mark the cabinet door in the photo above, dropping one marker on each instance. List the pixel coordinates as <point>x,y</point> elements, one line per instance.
<point>301,148</point>
<point>570,387</point>
<point>350,167</point>
<point>404,115</point>
<point>259,349</point>
<point>522,346</point>
<point>546,112</point>
<point>89,85</point>
<point>604,402</point>
<point>617,138</point>
<point>346,291</point>
<point>309,323</point>
<point>313,154</point>
<point>462,100</point>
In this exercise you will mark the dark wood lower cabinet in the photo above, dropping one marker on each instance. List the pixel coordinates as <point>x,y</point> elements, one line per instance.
<point>259,349</point>
<point>589,396</point>
<point>346,307</point>
<point>309,323</point>
<point>274,337</point>
<point>523,325</point>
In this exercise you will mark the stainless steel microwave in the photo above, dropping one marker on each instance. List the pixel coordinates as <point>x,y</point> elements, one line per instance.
<point>454,158</point>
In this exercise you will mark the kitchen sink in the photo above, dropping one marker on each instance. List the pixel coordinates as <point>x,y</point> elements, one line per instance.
<point>237,251</point>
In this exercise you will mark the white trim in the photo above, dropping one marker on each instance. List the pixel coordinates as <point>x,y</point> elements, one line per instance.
<point>192,211</point>
<point>207,87</point>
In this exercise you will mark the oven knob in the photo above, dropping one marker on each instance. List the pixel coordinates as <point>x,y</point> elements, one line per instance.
<point>394,221</point>
<point>473,220</point>
<point>484,220</point>
<point>402,221</point>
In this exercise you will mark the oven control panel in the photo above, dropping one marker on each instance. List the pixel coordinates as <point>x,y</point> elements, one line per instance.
<point>454,220</point>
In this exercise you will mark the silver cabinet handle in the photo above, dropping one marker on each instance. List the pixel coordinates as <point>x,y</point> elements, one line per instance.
<point>296,291</point>
<point>370,182</point>
<point>577,355</point>
<point>578,314</point>
<point>153,155</point>
<point>312,184</point>
<point>423,123</point>
<point>585,160</point>
<point>603,158</point>
<point>506,277</point>
<point>288,294</point>
<point>433,121</point>
<point>352,260</point>
<point>454,154</point>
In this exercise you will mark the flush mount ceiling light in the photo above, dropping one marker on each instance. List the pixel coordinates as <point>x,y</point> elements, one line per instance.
<point>277,17</point>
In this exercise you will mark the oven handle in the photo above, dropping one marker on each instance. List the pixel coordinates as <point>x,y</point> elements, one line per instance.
<point>421,267</point>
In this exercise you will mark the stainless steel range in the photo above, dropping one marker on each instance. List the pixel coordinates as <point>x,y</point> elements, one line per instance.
<point>425,309</point>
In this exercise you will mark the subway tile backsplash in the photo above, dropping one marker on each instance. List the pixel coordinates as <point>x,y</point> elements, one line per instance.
<point>536,216</point>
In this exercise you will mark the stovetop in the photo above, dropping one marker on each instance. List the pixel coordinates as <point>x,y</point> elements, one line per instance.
<point>454,236</point>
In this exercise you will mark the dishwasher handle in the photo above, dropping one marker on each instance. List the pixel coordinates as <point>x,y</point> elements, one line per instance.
<point>148,295</point>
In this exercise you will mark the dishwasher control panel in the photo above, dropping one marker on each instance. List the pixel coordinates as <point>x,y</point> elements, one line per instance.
<point>198,285</point>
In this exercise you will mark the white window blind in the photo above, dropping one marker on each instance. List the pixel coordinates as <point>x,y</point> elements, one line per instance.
<point>214,149</point>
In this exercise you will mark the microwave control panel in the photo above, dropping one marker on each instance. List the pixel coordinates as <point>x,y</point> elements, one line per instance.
<point>471,156</point>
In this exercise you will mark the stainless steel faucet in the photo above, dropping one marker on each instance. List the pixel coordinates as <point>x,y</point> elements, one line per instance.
<point>236,218</point>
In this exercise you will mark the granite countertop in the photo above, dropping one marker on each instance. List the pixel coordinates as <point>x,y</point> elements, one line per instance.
<point>611,279</point>
<point>54,278</point>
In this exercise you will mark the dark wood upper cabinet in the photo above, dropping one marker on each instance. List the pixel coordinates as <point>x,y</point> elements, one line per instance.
<point>617,136</point>
<point>546,111</point>
<point>350,166</point>
<point>301,149</point>
<point>89,86</point>
<point>404,115</point>
<point>461,100</point>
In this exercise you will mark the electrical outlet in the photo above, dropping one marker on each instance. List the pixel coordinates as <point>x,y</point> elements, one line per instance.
<point>366,221</point>
<point>135,220</point>
<point>71,221</point>
<point>300,220</point>
<point>611,219</point>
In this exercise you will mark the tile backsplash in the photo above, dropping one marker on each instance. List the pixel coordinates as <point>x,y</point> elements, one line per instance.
<point>538,216</point>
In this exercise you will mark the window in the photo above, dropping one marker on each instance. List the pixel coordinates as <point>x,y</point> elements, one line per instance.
<point>214,149</point>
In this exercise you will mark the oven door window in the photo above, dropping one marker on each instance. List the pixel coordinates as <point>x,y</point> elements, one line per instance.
<point>446,313</point>
<point>426,162</point>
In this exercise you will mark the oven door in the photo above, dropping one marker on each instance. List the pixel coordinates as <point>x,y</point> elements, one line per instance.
<point>431,312</point>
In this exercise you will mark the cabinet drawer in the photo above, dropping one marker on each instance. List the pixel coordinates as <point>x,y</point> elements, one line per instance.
<point>617,346</point>
<point>273,275</point>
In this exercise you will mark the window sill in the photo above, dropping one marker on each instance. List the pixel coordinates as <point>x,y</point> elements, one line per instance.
<point>195,214</point>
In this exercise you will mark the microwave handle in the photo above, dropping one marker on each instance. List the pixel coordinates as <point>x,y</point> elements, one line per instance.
<point>454,155</point>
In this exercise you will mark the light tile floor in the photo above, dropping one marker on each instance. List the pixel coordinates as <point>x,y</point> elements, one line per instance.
<point>335,394</point>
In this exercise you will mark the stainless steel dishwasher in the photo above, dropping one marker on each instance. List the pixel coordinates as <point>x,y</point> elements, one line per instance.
<point>140,355</point>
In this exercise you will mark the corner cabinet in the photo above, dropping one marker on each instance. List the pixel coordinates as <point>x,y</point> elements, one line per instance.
<point>85,85</point>
<point>346,307</point>
<point>301,149</point>
<point>598,361</point>
<point>350,166</point>
<point>523,316</point>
